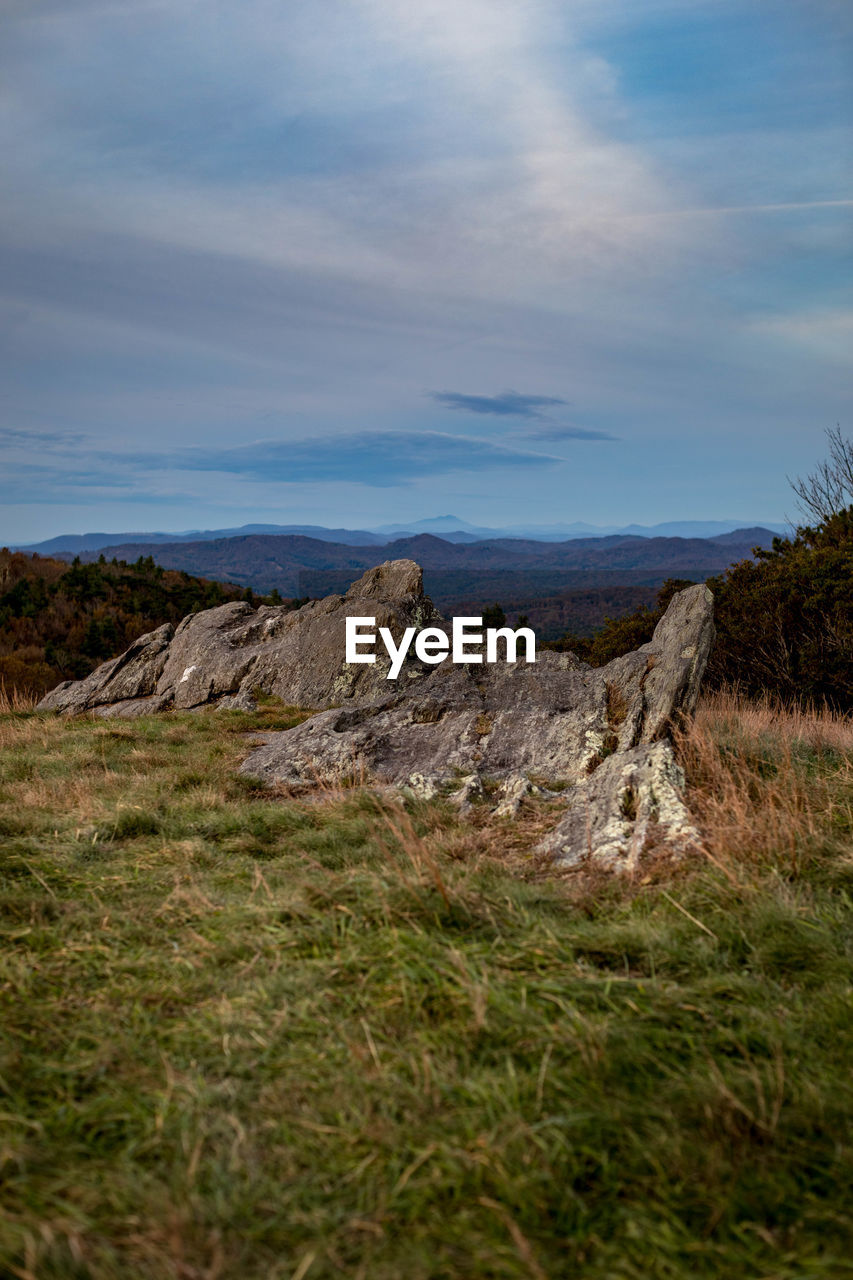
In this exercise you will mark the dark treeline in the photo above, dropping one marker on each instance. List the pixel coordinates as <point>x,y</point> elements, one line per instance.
<point>580,613</point>
<point>58,622</point>
<point>784,620</point>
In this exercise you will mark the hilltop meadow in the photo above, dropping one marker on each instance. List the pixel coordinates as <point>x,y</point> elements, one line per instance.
<point>248,1035</point>
<point>532,968</point>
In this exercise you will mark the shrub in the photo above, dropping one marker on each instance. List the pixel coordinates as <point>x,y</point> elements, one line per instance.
<point>784,620</point>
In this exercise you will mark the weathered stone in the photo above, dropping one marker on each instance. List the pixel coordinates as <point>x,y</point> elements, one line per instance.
<point>222,656</point>
<point>131,676</point>
<point>509,727</point>
<point>633,797</point>
<point>595,738</point>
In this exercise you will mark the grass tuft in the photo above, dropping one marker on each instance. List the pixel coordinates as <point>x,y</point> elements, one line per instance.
<point>14,700</point>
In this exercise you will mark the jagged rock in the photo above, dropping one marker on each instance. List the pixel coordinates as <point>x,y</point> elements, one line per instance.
<point>126,680</point>
<point>222,656</point>
<point>633,797</point>
<point>559,726</point>
<point>595,738</point>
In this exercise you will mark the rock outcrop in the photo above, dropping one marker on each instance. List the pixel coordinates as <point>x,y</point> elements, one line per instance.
<point>594,738</point>
<point>223,656</point>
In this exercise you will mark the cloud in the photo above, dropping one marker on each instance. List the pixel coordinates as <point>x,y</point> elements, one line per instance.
<point>376,458</point>
<point>18,438</point>
<point>826,332</point>
<point>511,404</point>
<point>507,404</point>
<point>407,144</point>
<point>560,431</point>
<point>73,485</point>
<point>258,224</point>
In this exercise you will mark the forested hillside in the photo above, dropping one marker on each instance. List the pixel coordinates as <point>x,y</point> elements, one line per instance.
<point>59,621</point>
<point>784,620</point>
<point>299,566</point>
<point>559,587</point>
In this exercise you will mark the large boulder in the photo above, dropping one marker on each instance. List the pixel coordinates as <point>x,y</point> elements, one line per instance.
<point>594,737</point>
<point>223,656</point>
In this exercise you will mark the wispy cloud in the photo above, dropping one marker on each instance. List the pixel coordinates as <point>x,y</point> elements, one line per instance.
<point>20,438</point>
<point>509,404</point>
<point>827,333</point>
<point>374,458</point>
<point>512,404</point>
<point>713,211</point>
<point>564,431</point>
<point>50,483</point>
<point>265,224</point>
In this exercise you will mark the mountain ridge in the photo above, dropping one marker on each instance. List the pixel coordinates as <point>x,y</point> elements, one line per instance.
<point>297,565</point>
<point>382,535</point>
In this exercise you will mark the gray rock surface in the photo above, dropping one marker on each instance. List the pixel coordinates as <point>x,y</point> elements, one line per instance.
<point>595,738</point>
<point>223,656</point>
<point>634,797</point>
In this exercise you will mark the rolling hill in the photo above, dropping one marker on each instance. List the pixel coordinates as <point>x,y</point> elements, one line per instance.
<point>449,528</point>
<point>550,582</point>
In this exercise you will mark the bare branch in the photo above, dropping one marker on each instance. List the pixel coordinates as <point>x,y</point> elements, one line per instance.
<point>829,489</point>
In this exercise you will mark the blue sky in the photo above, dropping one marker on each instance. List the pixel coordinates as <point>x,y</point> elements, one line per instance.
<point>377,260</point>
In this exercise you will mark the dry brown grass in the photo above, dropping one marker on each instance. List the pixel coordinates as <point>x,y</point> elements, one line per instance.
<point>765,781</point>
<point>15,699</point>
<point>820,729</point>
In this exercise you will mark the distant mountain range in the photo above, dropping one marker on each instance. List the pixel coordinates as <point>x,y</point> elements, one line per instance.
<point>559,585</point>
<point>449,528</point>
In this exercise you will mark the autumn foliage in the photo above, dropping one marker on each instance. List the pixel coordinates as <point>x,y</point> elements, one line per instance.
<point>59,621</point>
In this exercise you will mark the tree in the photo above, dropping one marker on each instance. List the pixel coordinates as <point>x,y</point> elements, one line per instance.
<point>494,616</point>
<point>92,642</point>
<point>829,489</point>
<point>785,619</point>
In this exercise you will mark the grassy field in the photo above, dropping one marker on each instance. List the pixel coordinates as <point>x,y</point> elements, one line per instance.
<point>255,1037</point>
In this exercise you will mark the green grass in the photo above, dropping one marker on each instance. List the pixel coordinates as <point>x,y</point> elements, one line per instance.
<point>259,1037</point>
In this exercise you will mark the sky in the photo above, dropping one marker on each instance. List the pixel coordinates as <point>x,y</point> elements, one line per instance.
<point>349,262</point>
